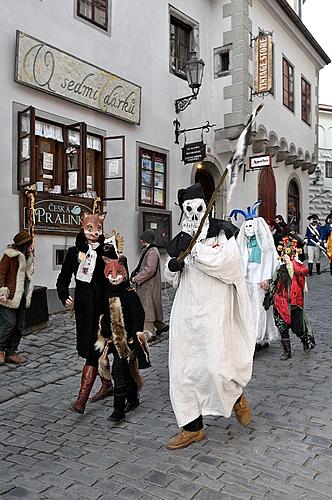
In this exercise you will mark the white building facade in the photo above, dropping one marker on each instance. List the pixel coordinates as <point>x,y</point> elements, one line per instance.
<point>320,201</point>
<point>87,106</point>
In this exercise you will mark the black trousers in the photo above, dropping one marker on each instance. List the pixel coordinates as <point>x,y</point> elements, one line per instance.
<point>121,375</point>
<point>11,325</point>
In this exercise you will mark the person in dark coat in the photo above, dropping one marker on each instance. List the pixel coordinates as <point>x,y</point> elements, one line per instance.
<point>122,324</point>
<point>85,262</point>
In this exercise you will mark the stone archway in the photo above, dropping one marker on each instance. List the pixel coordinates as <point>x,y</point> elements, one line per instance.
<point>208,173</point>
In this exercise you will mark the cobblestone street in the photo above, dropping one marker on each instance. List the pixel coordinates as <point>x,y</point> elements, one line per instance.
<point>48,452</point>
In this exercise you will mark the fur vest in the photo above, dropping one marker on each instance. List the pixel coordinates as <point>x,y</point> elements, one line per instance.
<point>16,278</point>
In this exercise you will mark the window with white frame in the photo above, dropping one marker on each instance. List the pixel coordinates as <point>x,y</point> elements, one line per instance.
<point>94,11</point>
<point>183,38</point>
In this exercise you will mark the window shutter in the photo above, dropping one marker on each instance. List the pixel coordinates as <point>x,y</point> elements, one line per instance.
<point>26,151</point>
<point>114,167</point>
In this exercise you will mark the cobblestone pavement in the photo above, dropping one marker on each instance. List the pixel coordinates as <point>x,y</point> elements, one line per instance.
<point>47,452</point>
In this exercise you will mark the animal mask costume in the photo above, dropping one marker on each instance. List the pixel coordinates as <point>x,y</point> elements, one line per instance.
<point>92,225</point>
<point>115,271</point>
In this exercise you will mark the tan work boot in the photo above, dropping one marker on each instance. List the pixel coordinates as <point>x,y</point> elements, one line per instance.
<point>16,359</point>
<point>242,411</point>
<point>184,439</point>
<point>2,357</point>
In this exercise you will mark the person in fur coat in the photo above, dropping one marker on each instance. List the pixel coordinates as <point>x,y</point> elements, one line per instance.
<point>121,334</point>
<point>16,270</point>
<point>85,262</point>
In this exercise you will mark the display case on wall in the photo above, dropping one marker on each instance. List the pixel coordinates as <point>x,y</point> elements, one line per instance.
<point>159,222</point>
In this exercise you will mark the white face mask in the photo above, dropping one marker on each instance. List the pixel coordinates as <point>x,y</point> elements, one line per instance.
<point>194,211</point>
<point>249,229</point>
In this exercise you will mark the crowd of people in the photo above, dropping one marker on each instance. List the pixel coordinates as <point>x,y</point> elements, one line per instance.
<point>237,290</point>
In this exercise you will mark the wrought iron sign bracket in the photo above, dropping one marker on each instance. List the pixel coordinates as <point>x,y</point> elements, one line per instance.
<point>179,131</point>
<point>260,33</point>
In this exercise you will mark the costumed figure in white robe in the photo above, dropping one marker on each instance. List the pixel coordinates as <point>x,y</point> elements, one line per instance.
<point>259,263</point>
<point>211,341</point>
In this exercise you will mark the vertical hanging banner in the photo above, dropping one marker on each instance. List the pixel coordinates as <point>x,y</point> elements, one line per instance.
<point>263,58</point>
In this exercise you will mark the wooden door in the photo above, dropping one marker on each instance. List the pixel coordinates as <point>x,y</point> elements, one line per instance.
<point>267,193</point>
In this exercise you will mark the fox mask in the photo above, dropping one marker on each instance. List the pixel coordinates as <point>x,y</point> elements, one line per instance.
<point>92,225</point>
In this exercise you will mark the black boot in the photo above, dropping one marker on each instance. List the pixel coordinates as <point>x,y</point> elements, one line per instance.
<point>310,266</point>
<point>318,268</point>
<point>331,268</point>
<point>287,349</point>
<point>119,404</point>
<point>132,400</point>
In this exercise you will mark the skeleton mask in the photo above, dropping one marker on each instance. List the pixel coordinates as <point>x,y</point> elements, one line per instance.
<point>249,228</point>
<point>194,211</point>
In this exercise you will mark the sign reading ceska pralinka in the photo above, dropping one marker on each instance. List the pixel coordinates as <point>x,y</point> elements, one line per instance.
<point>51,70</point>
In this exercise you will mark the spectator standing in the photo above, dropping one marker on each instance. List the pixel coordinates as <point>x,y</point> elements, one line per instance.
<point>328,238</point>
<point>147,279</point>
<point>16,270</point>
<point>314,238</point>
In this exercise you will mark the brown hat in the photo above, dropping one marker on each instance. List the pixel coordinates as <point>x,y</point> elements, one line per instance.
<point>22,238</point>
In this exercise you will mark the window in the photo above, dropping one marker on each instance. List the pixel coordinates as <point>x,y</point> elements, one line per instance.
<point>152,179</point>
<point>95,11</point>
<point>180,34</point>
<point>68,159</point>
<point>60,255</point>
<point>328,169</point>
<point>288,84</point>
<point>306,101</point>
<point>221,58</point>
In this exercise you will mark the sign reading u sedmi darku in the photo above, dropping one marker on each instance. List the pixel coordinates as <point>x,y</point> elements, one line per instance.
<point>56,72</point>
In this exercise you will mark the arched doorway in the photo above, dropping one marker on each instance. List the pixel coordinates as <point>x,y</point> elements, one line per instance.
<point>293,204</point>
<point>206,179</point>
<point>267,193</point>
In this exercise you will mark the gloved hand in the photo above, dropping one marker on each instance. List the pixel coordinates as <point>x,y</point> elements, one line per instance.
<point>175,266</point>
<point>267,302</point>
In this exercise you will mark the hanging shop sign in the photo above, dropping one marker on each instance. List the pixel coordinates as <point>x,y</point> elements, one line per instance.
<point>263,57</point>
<point>58,215</point>
<point>195,151</point>
<point>261,161</point>
<point>56,72</point>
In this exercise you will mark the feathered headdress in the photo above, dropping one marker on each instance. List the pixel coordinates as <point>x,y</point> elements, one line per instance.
<point>251,212</point>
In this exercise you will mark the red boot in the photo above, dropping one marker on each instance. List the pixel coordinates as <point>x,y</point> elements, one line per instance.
<point>89,375</point>
<point>105,390</point>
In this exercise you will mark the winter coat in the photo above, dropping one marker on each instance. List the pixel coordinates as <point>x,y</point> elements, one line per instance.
<point>88,296</point>
<point>16,278</point>
<point>123,318</point>
<point>148,282</point>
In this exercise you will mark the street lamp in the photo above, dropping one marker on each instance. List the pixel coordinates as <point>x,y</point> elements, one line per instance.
<point>194,73</point>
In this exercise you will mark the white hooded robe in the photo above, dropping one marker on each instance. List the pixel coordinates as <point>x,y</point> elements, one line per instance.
<point>212,338</point>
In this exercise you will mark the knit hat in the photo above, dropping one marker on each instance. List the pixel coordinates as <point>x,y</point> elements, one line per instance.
<point>148,235</point>
<point>22,238</point>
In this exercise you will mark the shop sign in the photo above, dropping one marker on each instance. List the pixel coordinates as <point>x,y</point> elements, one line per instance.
<point>261,161</point>
<point>263,50</point>
<point>58,214</point>
<point>56,72</point>
<point>195,151</point>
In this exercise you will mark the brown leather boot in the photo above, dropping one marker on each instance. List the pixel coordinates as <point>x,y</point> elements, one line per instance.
<point>105,390</point>
<point>89,375</point>
<point>184,438</point>
<point>242,411</point>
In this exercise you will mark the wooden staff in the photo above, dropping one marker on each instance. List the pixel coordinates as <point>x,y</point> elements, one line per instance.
<point>186,252</point>
<point>30,193</point>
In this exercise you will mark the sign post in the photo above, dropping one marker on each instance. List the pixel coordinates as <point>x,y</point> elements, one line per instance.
<point>263,61</point>
<point>195,151</point>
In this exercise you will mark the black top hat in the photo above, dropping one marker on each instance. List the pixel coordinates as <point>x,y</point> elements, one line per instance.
<point>313,217</point>
<point>190,193</point>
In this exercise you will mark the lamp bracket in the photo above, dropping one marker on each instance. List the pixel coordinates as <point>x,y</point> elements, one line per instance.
<point>183,102</point>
